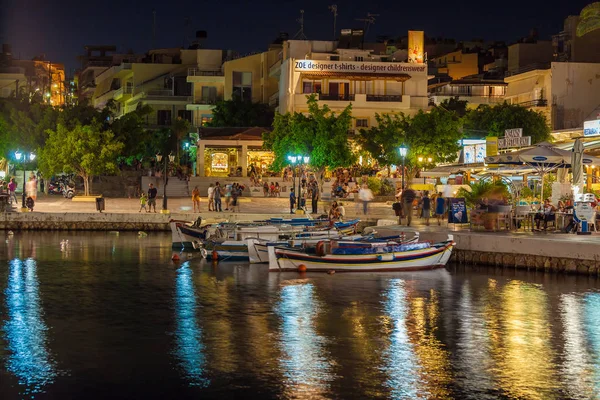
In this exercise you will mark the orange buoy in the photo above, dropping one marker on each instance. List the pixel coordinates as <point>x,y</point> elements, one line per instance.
<point>301,268</point>
<point>175,258</point>
<point>215,255</point>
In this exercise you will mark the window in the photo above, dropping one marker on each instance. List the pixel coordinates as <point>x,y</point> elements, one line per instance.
<point>242,85</point>
<point>311,87</point>
<point>209,94</point>
<point>184,114</point>
<point>334,58</point>
<point>163,117</point>
<point>362,122</point>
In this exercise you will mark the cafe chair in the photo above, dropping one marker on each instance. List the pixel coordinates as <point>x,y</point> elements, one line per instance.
<point>504,217</point>
<point>522,216</point>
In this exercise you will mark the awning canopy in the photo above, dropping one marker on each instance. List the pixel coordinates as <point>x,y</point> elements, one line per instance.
<point>355,76</point>
<point>542,155</point>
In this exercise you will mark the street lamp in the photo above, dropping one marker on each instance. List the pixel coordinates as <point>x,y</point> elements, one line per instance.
<point>19,156</point>
<point>299,160</point>
<point>159,158</point>
<point>403,150</point>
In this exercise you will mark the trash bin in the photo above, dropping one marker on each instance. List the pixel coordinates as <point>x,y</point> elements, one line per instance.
<point>397,207</point>
<point>100,204</point>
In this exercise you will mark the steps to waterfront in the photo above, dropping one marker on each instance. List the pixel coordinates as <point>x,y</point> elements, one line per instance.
<point>175,188</point>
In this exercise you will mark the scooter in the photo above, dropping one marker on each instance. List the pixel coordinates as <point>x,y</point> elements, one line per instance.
<point>54,188</point>
<point>67,191</point>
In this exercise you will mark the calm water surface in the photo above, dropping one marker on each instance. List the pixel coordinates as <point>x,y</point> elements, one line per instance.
<point>99,316</point>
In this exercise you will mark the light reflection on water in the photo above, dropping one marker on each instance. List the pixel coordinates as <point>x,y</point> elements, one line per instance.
<point>305,362</point>
<point>25,331</point>
<point>456,333</point>
<point>189,348</point>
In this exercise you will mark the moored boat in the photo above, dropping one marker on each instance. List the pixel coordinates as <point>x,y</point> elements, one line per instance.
<point>328,256</point>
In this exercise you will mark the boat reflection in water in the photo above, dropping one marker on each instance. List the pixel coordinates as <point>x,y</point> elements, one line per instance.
<point>25,331</point>
<point>189,348</point>
<point>305,361</point>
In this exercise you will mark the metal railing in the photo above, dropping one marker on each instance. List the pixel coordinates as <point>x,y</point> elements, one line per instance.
<point>207,100</point>
<point>199,72</point>
<point>534,103</point>
<point>384,98</point>
<point>527,68</point>
<point>336,97</point>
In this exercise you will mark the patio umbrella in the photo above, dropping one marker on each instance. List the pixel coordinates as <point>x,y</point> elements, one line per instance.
<point>543,157</point>
<point>577,164</point>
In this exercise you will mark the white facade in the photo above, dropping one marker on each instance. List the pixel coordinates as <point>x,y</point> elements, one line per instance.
<point>567,94</point>
<point>371,83</point>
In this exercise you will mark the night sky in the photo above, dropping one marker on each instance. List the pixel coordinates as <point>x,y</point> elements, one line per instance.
<point>60,29</point>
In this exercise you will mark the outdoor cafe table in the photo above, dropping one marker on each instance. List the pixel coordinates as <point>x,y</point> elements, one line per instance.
<point>559,216</point>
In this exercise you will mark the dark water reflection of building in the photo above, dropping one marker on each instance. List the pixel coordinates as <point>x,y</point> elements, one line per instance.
<point>119,316</point>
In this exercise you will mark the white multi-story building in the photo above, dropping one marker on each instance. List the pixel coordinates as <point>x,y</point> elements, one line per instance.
<point>372,83</point>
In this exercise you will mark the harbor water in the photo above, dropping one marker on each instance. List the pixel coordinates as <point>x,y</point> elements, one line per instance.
<point>109,316</point>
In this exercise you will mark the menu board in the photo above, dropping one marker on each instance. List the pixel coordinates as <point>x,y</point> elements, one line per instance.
<point>458,211</point>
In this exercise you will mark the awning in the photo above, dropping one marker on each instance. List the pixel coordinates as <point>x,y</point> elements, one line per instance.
<point>355,76</point>
<point>447,170</point>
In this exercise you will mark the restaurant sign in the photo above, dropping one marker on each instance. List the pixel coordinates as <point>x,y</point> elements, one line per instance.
<point>507,142</point>
<point>591,128</point>
<point>359,67</point>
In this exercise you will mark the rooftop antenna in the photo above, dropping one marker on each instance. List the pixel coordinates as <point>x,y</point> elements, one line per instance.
<point>300,34</point>
<point>333,9</point>
<point>370,20</point>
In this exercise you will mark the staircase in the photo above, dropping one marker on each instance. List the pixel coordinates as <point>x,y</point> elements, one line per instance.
<point>175,187</point>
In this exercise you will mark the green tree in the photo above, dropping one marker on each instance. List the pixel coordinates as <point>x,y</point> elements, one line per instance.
<point>382,141</point>
<point>241,113</point>
<point>495,120</point>
<point>322,135</point>
<point>459,107</point>
<point>86,150</point>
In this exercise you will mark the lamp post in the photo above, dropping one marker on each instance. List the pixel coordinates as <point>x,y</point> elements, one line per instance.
<point>19,156</point>
<point>159,158</point>
<point>403,150</point>
<point>299,160</point>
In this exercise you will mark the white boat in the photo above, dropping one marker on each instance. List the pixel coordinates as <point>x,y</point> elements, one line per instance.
<point>258,252</point>
<point>328,257</point>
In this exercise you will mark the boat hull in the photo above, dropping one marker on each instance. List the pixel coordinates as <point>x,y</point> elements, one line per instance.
<point>436,256</point>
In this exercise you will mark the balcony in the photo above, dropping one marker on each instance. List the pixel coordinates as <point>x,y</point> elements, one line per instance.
<point>123,92</point>
<point>275,69</point>
<point>199,72</point>
<point>534,103</point>
<point>166,96</point>
<point>437,98</point>
<point>385,98</point>
<point>336,97</point>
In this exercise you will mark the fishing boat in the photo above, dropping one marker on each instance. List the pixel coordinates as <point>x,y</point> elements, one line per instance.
<point>258,252</point>
<point>328,256</point>
<point>230,240</point>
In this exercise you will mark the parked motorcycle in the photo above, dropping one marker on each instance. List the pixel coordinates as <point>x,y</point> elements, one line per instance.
<point>54,188</point>
<point>67,190</point>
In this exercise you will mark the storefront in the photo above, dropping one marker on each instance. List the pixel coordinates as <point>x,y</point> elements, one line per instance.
<point>231,151</point>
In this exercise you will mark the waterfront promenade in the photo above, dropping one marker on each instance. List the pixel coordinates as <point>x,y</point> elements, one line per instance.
<point>546,251</point>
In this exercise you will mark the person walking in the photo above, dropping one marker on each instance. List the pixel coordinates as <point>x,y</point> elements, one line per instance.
<point>211,197</point>
<point>143,201</point>
<point>12,187</point>
<point>196,198</point>
<point>426,207</point>
<point>292,200</point>
<point>303,195</point>
<point>227,196</point>
<point>32,188</point>
<point>365,195</point>
<point>407,198</point>
<point>152,193</point>
<point>440,207</point>
<point>314,195</point>
<point>217,197</point>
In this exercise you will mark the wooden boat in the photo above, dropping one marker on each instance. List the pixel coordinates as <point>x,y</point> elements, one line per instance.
<point>328,256</point>
<point>258,252</point>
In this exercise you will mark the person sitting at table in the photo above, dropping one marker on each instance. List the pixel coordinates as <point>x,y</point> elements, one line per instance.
<point>483,204</point>
<point>561,206</point>
<point>546,213</point>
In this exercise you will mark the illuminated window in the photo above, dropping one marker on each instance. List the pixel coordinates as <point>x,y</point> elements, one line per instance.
<point>242,85</point>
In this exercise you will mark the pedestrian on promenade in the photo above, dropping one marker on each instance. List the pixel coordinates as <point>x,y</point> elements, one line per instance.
<point>32,188</point>
<point>266,189</point>
<point>227,196</point>
<point>426,207</point>
<point>143,201</point>
<point>365,195</point>
<point>12,187</point>
<point>407,198</point>
<point>292,200</point>
<point>211,197</point>
<point>196,198</point>
<point>314,195</point>
<point>217,197</point>
<point>152,193</point>
<point>440,207</point>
